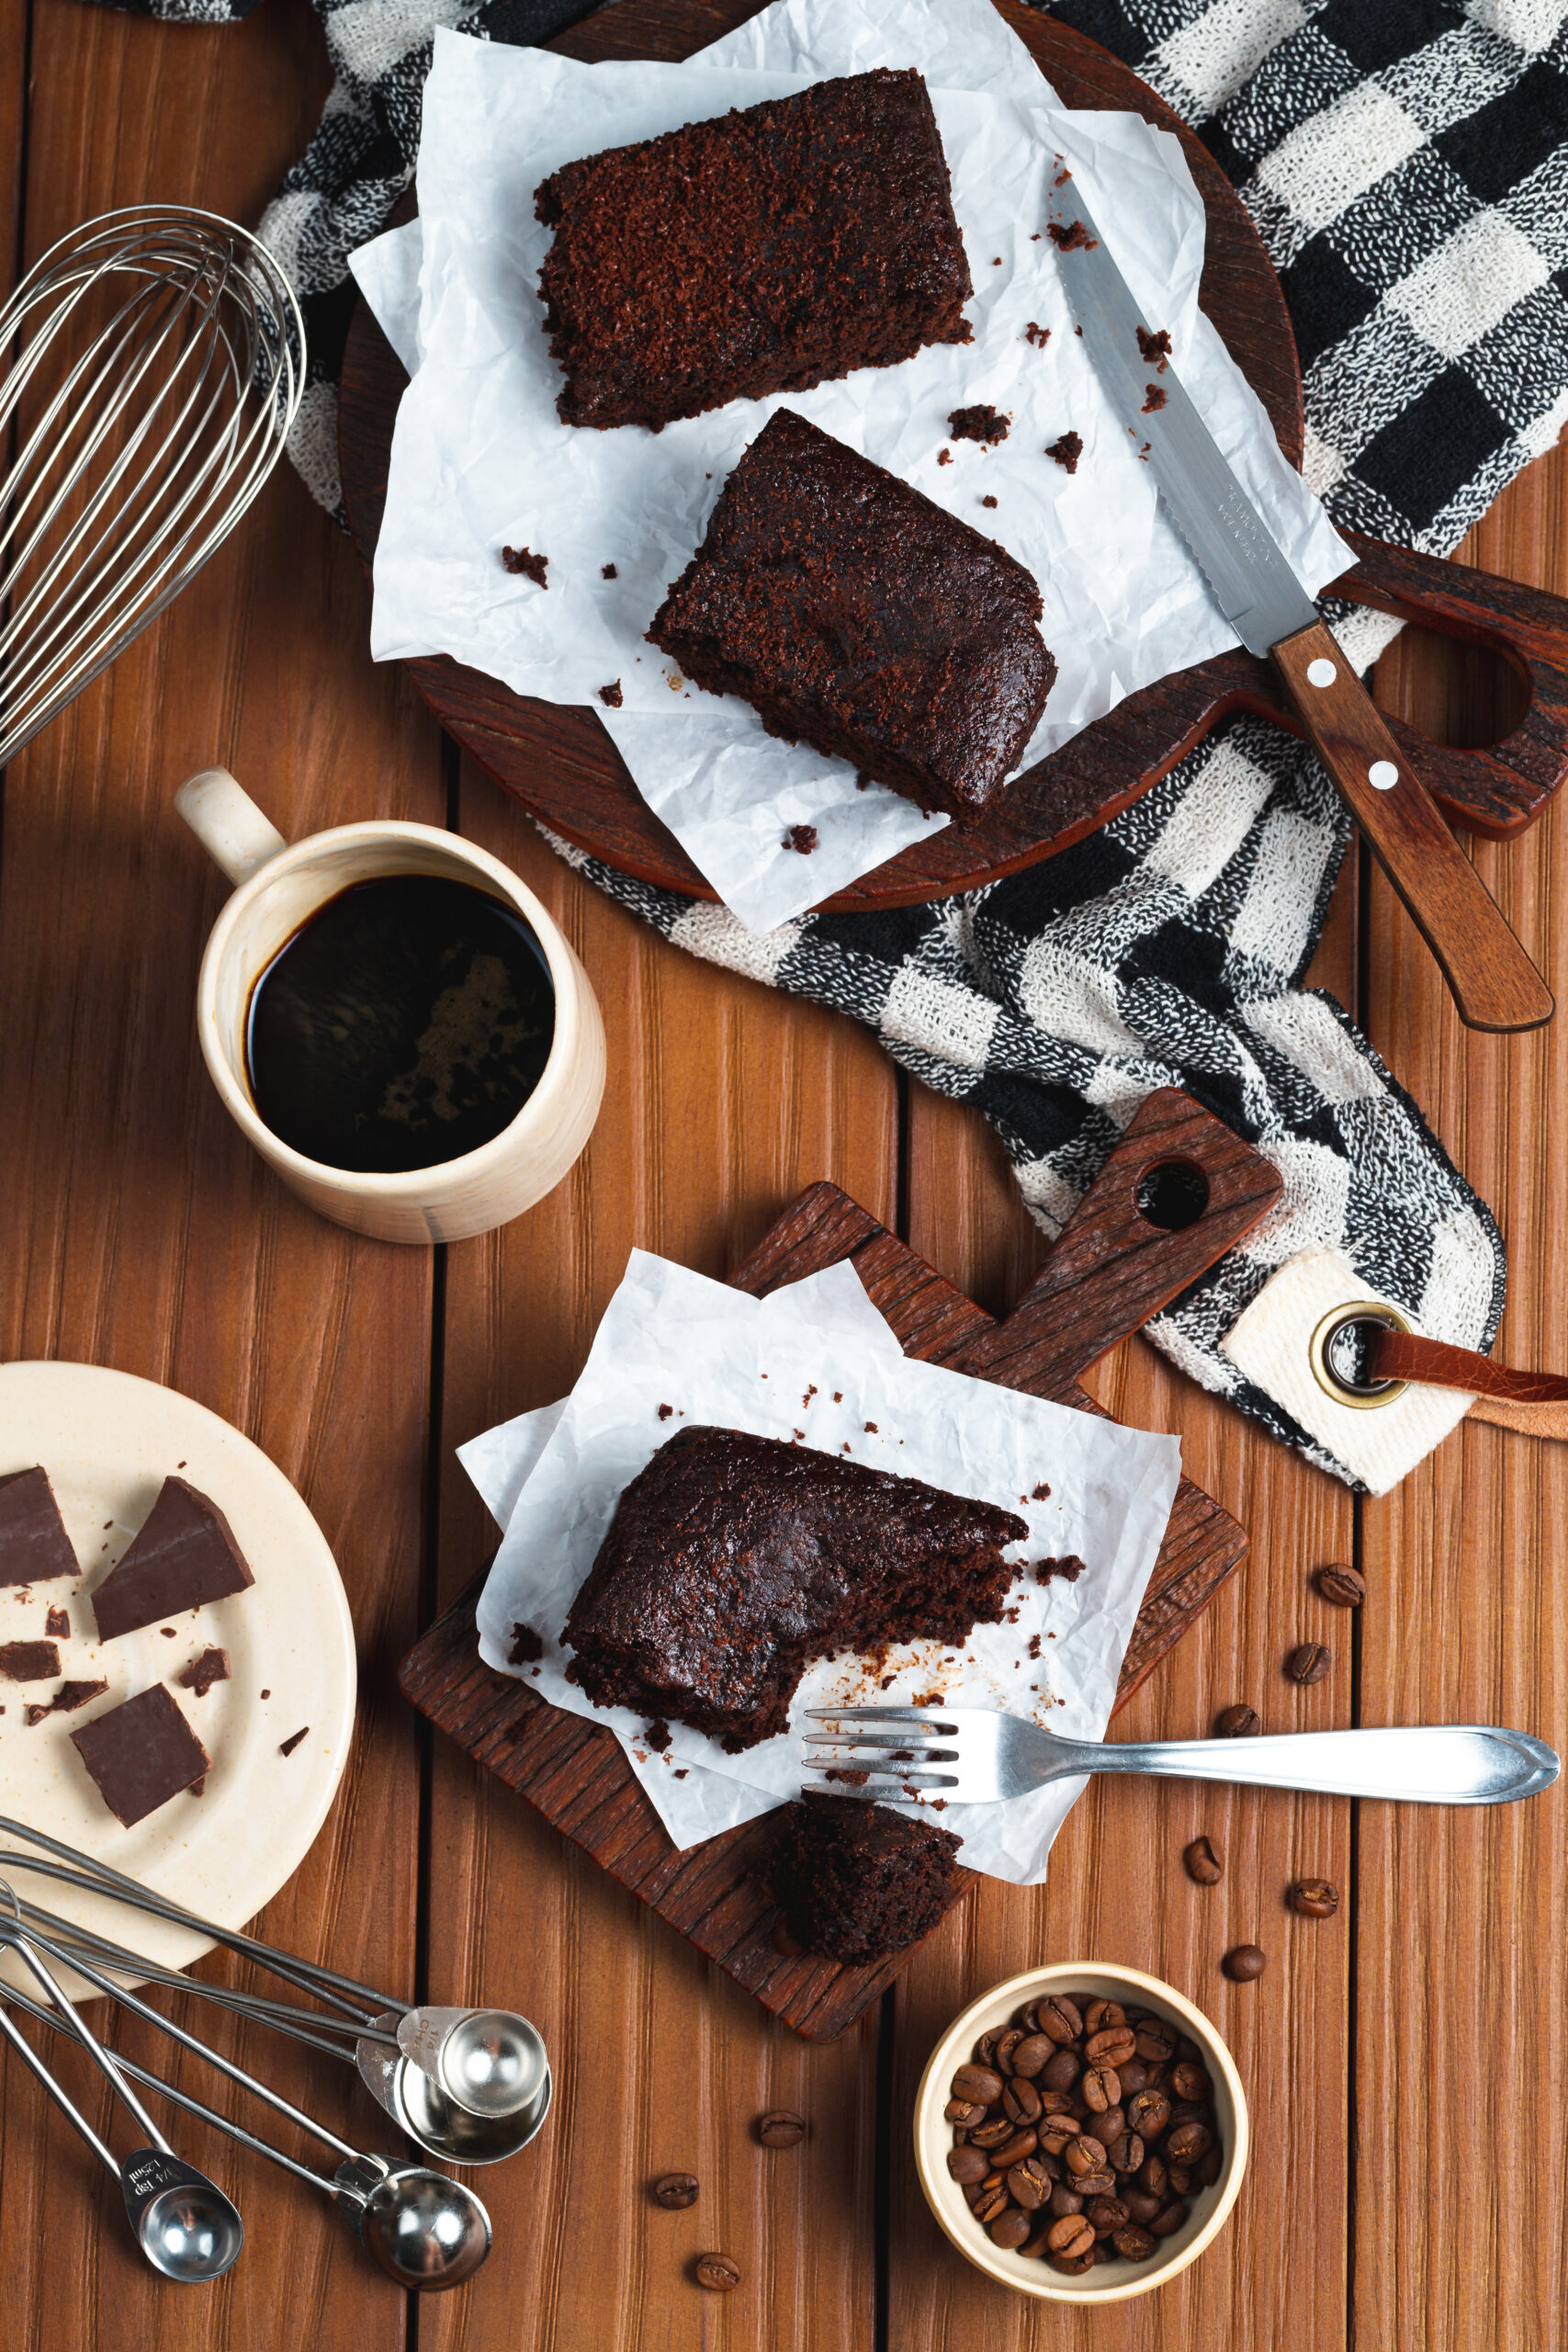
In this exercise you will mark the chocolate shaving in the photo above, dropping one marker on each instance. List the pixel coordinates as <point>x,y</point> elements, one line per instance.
<point>286,1746</point>
<point>201,1673</point>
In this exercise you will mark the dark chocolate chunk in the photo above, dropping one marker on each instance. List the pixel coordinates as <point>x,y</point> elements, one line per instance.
<point>202,1672</point>
<point>141,1754</point>
<point>33,1541</point>
<point>184,1554</point>
<point>29,1661</point>
<point>286,1746</point>
<point>57,1624</point>
<point>67,1699</point>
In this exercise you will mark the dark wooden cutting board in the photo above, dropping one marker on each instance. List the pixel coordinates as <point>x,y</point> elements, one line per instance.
<point>1114,1267</point>
<point>561,764</point>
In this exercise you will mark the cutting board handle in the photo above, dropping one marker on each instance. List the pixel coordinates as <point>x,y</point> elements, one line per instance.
<point>1116,1263</point>
<point>1501,789</point>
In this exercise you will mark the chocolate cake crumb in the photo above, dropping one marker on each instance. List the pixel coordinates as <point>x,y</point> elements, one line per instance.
<point>266,1694</point>
<point>202,1672</point>
<point>526,1646</point>
<point>666,1412</point>
<point>57,1624</point>
<point>523,560</point>
<point>1037,334</point>
<point>855,1881</point>
<point>680,1772</point>
<point>286,1746</point>
<point>610,696</point>
<point>1067,451</point>
<point>1035,1646</point>
<point>657,1734</point>
<point>988,501</point>
<point>1069,1568</point>
<point>801,837</point>
<point>169,1633</point>
<point>608,571</point>
<point>945,456</point>
<point>855,1776</point>
<point>982,423</point>
<point>1155,397</point>
<point>871,1428</point>
<point>1062,176</point>
<point>1154,349</point>
<point>1040,1494</point>
<point>1071,238</point>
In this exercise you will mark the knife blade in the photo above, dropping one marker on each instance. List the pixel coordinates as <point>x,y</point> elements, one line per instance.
<point>1494,984</point>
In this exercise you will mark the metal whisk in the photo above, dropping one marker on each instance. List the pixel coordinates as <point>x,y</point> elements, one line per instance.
<point>151,366</point>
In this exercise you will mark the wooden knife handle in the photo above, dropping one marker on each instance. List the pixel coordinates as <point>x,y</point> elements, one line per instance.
<point>1494,984</point>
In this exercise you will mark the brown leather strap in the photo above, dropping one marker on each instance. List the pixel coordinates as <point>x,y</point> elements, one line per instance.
<point>1535,1403</point>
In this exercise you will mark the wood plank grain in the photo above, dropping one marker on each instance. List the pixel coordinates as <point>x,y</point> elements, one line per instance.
<point>1116,1890</point>
<point>136,1229</point>
<point>723,1100</point>
<point>1462,1916</point>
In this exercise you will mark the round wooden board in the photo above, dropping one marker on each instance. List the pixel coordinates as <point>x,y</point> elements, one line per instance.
<point>560,762</point>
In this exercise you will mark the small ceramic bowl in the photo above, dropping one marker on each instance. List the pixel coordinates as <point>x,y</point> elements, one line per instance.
<point>1109,2282</point>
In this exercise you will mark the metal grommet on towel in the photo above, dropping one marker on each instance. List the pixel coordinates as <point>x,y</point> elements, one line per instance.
<point>1320,1353</point>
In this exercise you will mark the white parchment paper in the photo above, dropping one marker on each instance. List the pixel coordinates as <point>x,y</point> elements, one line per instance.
<point>815,1362</point>
<point>481,460</point>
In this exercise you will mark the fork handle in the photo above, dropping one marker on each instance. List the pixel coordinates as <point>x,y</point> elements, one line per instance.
<point>1436,1764</point>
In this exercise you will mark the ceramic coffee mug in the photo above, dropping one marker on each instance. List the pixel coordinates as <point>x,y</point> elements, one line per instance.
<point>279,886</point>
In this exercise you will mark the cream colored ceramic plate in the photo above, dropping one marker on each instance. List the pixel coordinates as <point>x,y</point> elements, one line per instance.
<point>108,1441</point>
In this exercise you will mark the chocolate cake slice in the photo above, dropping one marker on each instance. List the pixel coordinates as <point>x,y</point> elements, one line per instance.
<point>183,1554</point>
<point>733,1561</point>
<point>33,1541</point>
<point>854,614</point>
<point>759,251</point>
<point>857,1882</point>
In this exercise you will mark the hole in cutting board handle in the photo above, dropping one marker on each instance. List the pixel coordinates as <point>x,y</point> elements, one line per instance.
<point>1172,1194</point>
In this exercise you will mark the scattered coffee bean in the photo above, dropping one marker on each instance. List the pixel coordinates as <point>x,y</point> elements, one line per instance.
<point>1315,1898</point>
<point>780,2128</point>
<point>717,2273</point>
<point>675,2191</point>
<point>1237,1723</point>
<point>1345,1587</point>
<point>1203,1862</point>
<point>1309,1662</point>
<point>1245,1964</point>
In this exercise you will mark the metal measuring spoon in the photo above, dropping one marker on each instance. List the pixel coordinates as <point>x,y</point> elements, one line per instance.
<point>489,2062</point>
<point>184,2225</point>
<point>420,2107</point>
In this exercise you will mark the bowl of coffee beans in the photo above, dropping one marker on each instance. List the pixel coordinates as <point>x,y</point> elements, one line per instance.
<point>1081,2132</point>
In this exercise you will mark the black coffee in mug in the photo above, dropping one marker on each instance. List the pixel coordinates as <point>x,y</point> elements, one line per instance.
<point>406,1022</point>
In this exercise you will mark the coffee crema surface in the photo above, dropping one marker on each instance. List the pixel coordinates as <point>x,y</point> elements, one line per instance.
<point>404,1024</point>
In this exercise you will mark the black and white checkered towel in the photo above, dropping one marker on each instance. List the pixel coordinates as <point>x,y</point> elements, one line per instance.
<point>1407,163</point>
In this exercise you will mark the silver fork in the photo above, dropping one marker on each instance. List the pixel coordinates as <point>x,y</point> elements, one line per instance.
<point>973,1756</point>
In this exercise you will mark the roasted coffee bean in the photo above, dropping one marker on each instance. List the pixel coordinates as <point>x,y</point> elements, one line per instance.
<point>1345,1587</point>
<point>1111,2044</point>
<point>1315,1898</point>
<point>1133,2243</point>
<point>1010,2229</point>
<point>1022,2100</point>
<point>1140,2204</point>
<point>963,2112</point>
<point>965,2165</point>
<point>717,2273</point>
<point>1109,2126</point>
<point>1060,2072</point>
<point>1029,2184</point>
<point>1071,2266</point>
<point>1061,2018</point>
<point>1013,2151</point>
<point>1034,2245</point>
<point>1101,2087</point>
<point>972,2192</point>
<point>1203,1862</point>
<point>992,2134</point>
<point>1084,2155</point>
<point>987,2045</point>
<point>1160,2077</point>
<point>1125,2154</point>
<point>1208,2168</point>
<point>980,2083</point>
<point>1073,2235</point>
<point>1152,2175</point>
<point>1191,2081</point>
<point>1309,1662</point>
<point>1057,2132</point>
<point>1245,1964</point>
<point>676,2190</point>
<point>1031,2054</point>
<point>1028,2017</point>
<point>1056,2102</point>
<point>1165,2224</point>
<point>1187,2110</point>
<point>1181,2179</point>
<point>990,2202</point>
<point>1107,2213</point>
<point>780,2128</point>
<point>1185,2143</point>
<point>1051,2166</point>
<point>1134,2075</point>
<point>1100,2014</point>
<point>1001,2057</point>
<point>1187,2053</point>
<point>1155,2042</point>
<point>1097,2184</point>
<point>1148,2114</point>
<point>1237,1723</point>
<point>1065,2199</point>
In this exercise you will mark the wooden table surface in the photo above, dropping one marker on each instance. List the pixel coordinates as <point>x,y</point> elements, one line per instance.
<point>1403,2193</point>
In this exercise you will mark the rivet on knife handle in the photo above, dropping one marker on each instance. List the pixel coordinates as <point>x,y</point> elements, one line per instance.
<point>1494,984</point>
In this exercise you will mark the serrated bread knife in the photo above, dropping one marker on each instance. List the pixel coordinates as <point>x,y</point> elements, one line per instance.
<point>1494,984</point>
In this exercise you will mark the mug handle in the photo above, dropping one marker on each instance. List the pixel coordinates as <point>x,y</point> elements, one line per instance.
<point>226,823</point>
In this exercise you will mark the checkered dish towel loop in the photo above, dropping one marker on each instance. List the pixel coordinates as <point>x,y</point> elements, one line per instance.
<point>1407,165</point>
